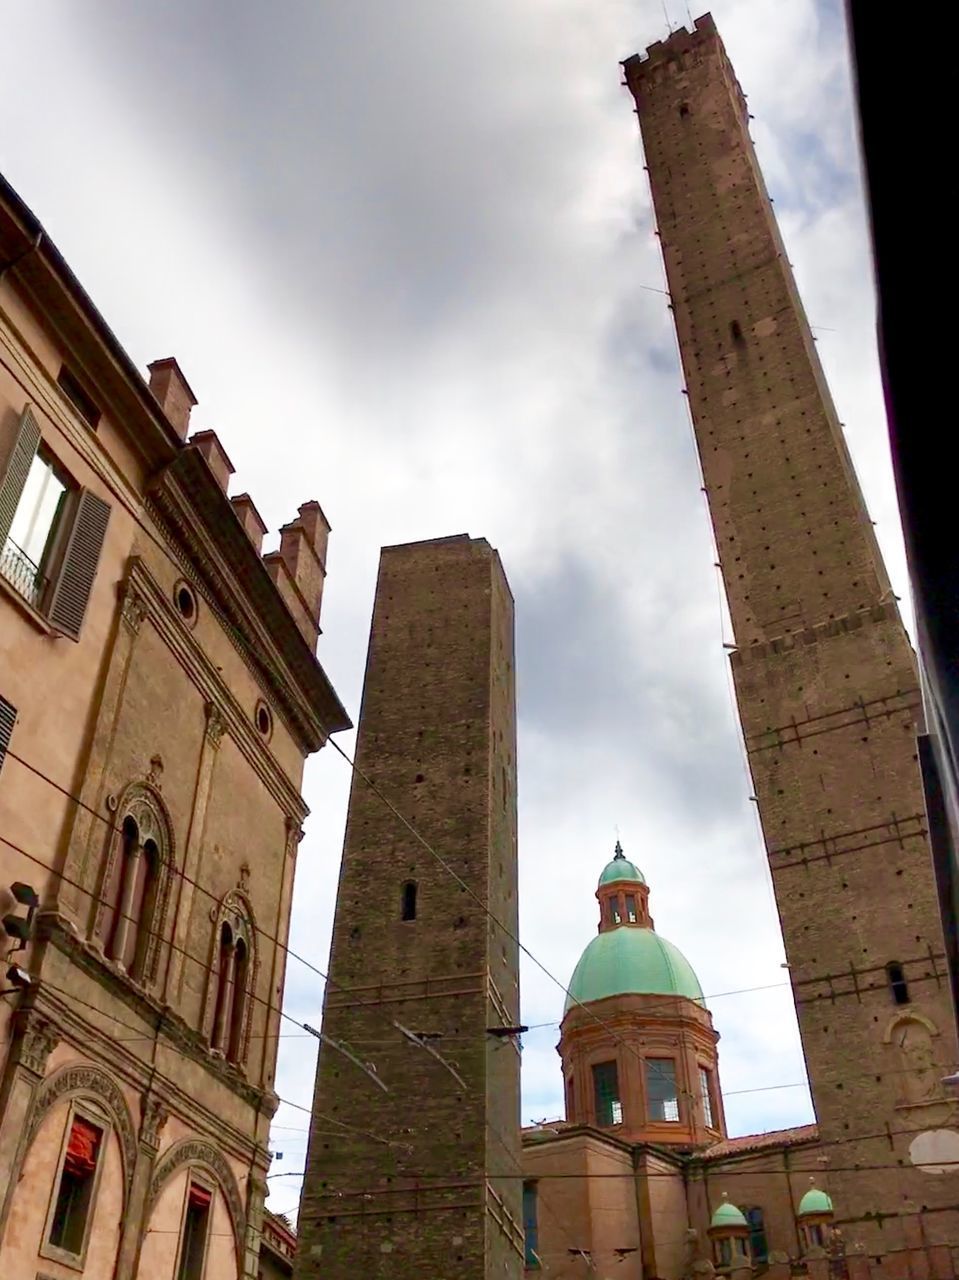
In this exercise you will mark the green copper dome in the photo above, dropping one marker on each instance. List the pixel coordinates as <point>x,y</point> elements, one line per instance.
<point>620,868</point>
<point>815,1201</point>
<point>629,960</point>
<point>727,1215</point>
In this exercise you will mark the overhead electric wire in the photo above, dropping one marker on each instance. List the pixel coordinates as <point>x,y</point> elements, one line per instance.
<point>208,968</point>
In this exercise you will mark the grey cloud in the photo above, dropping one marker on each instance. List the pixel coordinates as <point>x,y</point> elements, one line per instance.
<point>401,250</point>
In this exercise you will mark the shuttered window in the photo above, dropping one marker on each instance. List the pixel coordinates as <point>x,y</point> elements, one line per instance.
<point>51,533</point>
<point>71,591</point>
<point>18,468</point>
<point>8,718</point>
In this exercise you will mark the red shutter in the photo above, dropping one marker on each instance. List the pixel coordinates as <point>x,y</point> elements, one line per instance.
<point>199,1197</point>
<point>82,1148</point>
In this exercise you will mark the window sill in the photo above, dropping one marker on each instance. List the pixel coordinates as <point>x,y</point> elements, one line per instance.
<point>75,1261</point>
<point>26,608</point>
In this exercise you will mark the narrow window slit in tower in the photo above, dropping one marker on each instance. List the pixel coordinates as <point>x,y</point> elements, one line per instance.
<point>409,901</point>
<point>897,982</point>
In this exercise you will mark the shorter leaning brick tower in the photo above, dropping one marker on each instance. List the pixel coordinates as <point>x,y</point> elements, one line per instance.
<point>401,1180</point>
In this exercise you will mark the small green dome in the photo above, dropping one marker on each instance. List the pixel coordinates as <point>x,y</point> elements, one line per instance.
<point>620,868</point>
<point>727,1215</point>
<point>631,960</point>
<point>815,1201</point>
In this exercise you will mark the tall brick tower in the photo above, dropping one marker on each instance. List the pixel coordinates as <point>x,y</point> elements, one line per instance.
<point>402,1184</point>
<point>825,677</point>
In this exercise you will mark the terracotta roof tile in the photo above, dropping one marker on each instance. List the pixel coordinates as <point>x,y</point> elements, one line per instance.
<point>761,1142</point>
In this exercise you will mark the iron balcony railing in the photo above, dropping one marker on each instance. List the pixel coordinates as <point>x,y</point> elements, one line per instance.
<point>20,571</point>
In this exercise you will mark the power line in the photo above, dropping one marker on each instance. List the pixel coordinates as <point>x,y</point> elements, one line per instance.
<point>116,826</point>
<point>542,1175</point>
<point>207,968</point>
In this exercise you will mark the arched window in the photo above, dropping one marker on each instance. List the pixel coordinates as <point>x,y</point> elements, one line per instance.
<point>130,909</point>
<point>241,960</point>
<point>409,901</point>
<point>134,906</point>
<point>232,979</point>
<point>223,1009</point>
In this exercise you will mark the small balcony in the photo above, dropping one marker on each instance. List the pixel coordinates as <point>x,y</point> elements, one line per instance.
<point>22,574</point>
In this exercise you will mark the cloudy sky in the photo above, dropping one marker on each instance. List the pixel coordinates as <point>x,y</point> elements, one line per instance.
<point>404,253</point>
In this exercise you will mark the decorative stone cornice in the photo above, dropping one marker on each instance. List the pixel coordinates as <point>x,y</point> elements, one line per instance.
<point>154,1118</point>
<point>167,1023</point>
<point>215,725</point>
<point>133,608</point>
<point>187,503</point>
<point>81,1079</point>
<point>195,1151</point>
<point>294,834</point>
<point>37,1041</point>
<point>224,713</point>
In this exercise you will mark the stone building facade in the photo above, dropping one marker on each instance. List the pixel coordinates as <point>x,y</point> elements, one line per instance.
<point>159,693</point>
<point>277,1248</point>
<point>414,1158</point>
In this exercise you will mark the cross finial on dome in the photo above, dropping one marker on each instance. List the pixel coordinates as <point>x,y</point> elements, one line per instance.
<point>618,851</point>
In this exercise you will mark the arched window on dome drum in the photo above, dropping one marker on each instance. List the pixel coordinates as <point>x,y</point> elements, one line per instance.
<point>662,1100</point>
<point>706,1091</point>
<point>609,1106</point>
<point>631,908</point>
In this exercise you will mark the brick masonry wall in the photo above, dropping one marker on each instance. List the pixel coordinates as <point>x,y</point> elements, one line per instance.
<point>825,678</point>
<point>437,735</point>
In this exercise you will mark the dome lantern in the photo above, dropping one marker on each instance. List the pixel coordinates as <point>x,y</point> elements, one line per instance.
<point>622,894</point>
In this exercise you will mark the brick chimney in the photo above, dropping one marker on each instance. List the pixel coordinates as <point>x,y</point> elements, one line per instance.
<point>172,392</point>
<point>250,518</point>
<point>299,567</point>
<point>208,442</point>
